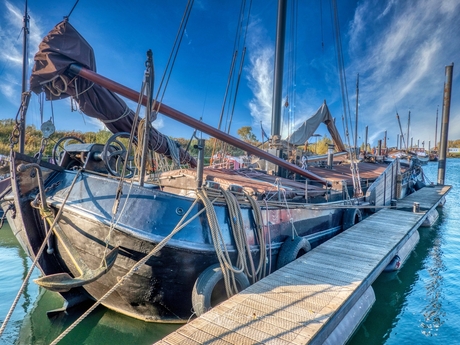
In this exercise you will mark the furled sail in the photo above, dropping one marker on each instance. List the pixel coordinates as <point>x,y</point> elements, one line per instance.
<point>306,130</point>
<point>64,46</point>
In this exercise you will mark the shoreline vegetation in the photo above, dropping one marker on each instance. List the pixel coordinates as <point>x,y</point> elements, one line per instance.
<point>33,140</point>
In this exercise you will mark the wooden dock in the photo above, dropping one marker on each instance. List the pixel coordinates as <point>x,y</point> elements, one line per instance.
<point>303,302</point>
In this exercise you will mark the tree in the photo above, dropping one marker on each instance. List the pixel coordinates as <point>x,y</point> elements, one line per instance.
<point>246,135</point>
<point>323,145</point>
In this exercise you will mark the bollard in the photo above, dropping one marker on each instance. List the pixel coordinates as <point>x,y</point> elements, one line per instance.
<point>393,203</point>
<point>416,207</point>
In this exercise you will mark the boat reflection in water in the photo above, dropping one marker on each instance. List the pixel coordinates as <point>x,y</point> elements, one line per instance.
<point>14,265</point>
<point>102,327</point>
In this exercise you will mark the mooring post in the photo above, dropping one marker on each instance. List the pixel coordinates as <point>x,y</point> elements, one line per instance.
<point>365,141</point>
<point>330,156</point>
<point>200,163</point>
<point>445,125</point>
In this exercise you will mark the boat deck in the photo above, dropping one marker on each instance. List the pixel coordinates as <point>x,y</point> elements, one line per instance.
<point>303,302</point>
<point>262,184</point>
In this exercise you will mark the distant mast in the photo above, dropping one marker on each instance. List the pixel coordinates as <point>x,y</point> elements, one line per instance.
<point>436,130</point>
<point>408,127</point>
<point>22,131</point>
<point>356,120</point>
<point>278,70</point>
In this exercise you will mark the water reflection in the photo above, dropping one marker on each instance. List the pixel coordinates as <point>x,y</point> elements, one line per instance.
<point>101,327</point>
<point>392,289</point>
<point>433,312</point>
<point>14,266</point>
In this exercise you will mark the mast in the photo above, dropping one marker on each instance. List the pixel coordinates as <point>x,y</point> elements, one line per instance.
<point>408,126</point>
<point>365,140</point>
<point>445,125</point>
<point>436,130</point>
<point>278,71</point>
<point>402,134</point>
<point>25,28</point>
<point>148,109</point>
<point>190,121</point>
<point>356,121</point>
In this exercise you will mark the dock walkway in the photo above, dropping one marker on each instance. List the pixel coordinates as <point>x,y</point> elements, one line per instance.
<point>303,302</point>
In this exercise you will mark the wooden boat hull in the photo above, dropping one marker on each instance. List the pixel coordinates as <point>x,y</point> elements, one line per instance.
<point>160,290</point>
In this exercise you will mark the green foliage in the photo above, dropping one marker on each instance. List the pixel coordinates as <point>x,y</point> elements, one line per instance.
<point>33,140</point>
<point>323,145</point>
<point>454,143</point>
<point>246,135</point>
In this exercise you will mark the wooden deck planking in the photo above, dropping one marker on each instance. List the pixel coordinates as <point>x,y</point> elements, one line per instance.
<point>426,197</point>
<point>303,302</point>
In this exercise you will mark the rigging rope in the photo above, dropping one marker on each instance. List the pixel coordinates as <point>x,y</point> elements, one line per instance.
<point>231,75</point>
<point>345,102</point>
<point>171,60</point>
<point>75,5</point>
<point>38,255</point>
<point>180,225</point>
<point>291,78</point>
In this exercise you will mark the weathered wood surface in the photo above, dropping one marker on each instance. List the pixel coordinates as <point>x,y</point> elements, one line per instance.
<point>304,301</point>
<point>427,197</point>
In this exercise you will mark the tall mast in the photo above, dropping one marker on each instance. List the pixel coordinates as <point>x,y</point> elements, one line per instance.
<point>278,72</point>
<point>22,132</point>
<point>436,130</point>
<point>444,135</point>
<point>356,121</point>
<point>408,127</point>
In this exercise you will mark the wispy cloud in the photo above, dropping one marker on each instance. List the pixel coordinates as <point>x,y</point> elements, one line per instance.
<point>11,49</point>
<point>260,74</point>
<point>400,49</point>
<point>260,81</point>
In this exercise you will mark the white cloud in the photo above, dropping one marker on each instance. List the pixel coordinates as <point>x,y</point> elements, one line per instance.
<point>8,91</point>
<point>159,123</point>
<point>402,61</point>
<point>95,124</point>
<point>260,82</point>
<point>11,48</point>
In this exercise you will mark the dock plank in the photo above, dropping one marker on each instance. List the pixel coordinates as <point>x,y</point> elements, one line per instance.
<point>303,302</point>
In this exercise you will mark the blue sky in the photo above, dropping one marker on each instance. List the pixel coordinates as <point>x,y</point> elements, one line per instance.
<point>399,48</point>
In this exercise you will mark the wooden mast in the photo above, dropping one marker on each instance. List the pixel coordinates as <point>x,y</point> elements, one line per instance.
<point>22,130</point>
<point>278,69</point>
<point>190,121</point>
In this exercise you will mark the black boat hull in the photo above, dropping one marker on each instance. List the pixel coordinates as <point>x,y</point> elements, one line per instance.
<point>160,291</point>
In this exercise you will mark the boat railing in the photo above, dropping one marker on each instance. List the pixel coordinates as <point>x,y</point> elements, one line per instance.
<point>385,187</point>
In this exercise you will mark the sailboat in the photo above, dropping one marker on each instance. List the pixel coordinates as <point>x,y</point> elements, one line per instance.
<point>163,246</point>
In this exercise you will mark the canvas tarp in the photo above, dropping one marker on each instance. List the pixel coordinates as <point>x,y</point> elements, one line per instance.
<point>64,46</point>
<point>308,128</point>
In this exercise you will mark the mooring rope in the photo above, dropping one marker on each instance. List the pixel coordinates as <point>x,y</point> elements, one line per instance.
<point>228,270</point>
<point>239,234</point>
<point>258,219</point>
<point>180,225</point>
<point>37,256</point>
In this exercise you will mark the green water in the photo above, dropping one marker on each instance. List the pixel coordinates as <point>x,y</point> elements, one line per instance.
<point>419,304</point>
<point>30,325</point>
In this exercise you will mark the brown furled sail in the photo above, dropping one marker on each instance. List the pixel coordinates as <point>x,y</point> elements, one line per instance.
<point>64,46</point>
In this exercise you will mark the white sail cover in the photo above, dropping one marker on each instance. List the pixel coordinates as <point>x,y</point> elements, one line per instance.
<point>308,128</point>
